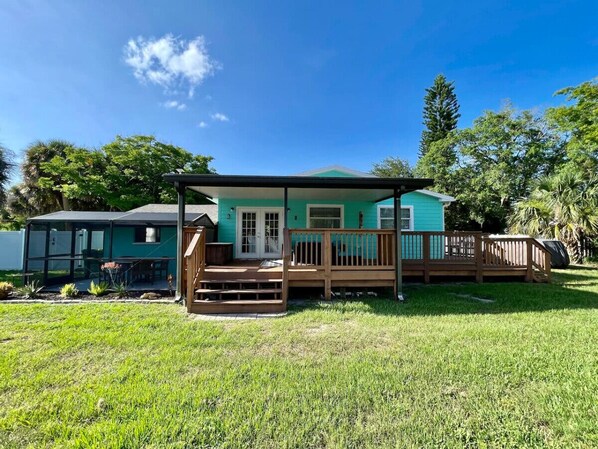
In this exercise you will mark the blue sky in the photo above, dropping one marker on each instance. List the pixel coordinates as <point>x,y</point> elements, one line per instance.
<point>281,87</point>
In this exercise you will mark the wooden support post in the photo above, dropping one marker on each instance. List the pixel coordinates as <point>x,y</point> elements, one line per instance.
<point>327,248</point>
<point>426,256</point>
<point>479,258</point>
<point>529,273</point>
<point>547,266</point>
<point>190,287</point>
<point>286,260</point>
<point>180,262</point>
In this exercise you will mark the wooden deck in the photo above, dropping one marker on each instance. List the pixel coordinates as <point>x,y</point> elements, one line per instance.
<point>333,258</point>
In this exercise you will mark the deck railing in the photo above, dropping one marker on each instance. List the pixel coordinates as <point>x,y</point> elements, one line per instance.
<point>374,249</point>
<point>195,262</point>
<point>343,248</point>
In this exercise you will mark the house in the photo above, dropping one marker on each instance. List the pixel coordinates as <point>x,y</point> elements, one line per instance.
<point>67,246</point>
<point>244,221</point>
<point>330,228</point>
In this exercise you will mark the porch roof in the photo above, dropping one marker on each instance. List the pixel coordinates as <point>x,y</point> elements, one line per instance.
<point>299,187</point>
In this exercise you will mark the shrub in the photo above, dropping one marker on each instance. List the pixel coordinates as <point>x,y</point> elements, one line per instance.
<point>69,291</point>
<point>30,290</point>
<point>591,260</point>
<point>6,289</point>
<point>98,289</point>
<point>120,290</point>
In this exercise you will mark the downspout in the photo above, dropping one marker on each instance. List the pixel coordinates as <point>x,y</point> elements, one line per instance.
<point>180,263</point>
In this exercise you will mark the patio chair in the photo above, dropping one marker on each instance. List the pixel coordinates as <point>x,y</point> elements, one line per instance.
<point>142,270</point>
<point>159,267</point>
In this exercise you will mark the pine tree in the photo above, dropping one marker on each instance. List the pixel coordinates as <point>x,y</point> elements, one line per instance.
<point>441,112</point>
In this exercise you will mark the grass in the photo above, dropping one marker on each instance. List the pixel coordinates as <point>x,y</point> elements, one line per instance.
<point>13,276</point>
<point>443,370</point>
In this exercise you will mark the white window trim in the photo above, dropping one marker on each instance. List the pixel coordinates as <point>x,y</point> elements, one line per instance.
<point>411,219</point>
<point>338,206</point>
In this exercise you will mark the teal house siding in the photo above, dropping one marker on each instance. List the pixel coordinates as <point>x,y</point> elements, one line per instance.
<point>124,245</point>
<point>428,212</point>
<point>227,218</point>
<point>334,174</point>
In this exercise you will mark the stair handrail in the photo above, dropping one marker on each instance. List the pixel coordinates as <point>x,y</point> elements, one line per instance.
<point>286,262</point>
<point>195,262</point>
<point>541,259</point>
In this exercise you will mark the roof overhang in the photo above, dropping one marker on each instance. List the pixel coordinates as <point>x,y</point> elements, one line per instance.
<point>299,187</point>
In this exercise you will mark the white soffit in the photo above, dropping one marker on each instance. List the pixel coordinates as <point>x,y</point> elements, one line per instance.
<point>336,195</point>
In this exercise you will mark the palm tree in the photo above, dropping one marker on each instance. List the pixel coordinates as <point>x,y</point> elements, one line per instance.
<point>563,206</point>
<point>6,167</point>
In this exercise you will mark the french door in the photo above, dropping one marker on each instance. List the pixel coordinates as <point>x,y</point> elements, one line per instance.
<point>259,232</point>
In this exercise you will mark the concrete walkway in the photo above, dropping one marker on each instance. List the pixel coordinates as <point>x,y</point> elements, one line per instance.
<point>236,316</point>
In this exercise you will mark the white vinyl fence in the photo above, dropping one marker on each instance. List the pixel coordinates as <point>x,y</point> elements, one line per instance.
<point>11,249</point>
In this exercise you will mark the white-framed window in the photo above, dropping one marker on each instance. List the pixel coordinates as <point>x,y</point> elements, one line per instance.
<point>147,234</point>
<point>386,217</point>
<point>325,216</point>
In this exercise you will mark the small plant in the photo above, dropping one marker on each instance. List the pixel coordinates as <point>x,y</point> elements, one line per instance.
<point>98,289</point>
<point>69,291</point>
<point>170,280</point>
<point>120,290</point>
<point>113,270</point>
<point>6,289</point>
<point>30,290</point>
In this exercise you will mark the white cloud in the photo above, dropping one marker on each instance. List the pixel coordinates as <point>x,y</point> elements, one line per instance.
<point>173,104</point>
<point>203,124</point>
<point>170,62</point>
<point>219,117</point>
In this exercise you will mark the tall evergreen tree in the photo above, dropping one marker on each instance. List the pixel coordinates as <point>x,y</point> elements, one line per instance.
<point>441,112</point>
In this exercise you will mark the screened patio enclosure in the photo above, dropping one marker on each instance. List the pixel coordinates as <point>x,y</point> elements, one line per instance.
<point>66,246</point>
<point>71,246</point>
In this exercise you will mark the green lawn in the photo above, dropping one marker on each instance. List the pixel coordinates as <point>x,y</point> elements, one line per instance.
<point>13,276</point>
<point>442,370</point>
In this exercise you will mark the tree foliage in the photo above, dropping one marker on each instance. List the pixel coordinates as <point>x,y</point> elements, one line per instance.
<point>32,196</point>
<point>393,167</point>
<point>490,165</point>
<point>562,206</point>
<point>6,166</point>
<point>579,123</point>
<point>441,112</point>
<point>123,174</point>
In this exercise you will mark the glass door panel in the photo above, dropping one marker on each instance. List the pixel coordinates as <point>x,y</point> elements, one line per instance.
<point>271,234</point>
<point>249,226</point>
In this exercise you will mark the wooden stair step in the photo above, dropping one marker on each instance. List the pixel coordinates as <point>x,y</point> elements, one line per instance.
<point>238,302</point>
<point>238,306</point>
<point>242,281</point>
<point>209,291</point>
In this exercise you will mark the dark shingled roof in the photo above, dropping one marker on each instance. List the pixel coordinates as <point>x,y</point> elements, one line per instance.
<point>158,214</point>
<point>211,210</point>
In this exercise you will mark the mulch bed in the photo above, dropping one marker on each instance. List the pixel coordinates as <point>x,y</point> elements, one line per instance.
<point>133,297</point>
